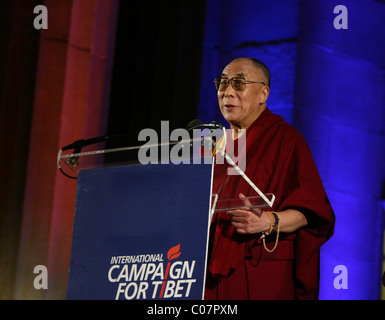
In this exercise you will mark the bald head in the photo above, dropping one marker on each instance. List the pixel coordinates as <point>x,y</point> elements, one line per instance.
<point>265,70</point>
<point>260,66</point>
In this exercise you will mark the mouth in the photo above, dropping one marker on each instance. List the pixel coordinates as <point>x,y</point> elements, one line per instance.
<point>229,106</point>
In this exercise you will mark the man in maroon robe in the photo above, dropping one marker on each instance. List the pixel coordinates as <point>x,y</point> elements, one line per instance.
<point>278,161</point>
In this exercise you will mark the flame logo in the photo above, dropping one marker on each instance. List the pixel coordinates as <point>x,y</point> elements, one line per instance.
<point>174,252</point>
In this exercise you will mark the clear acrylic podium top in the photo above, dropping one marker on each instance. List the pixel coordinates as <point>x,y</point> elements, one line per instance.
<point>192,151</point>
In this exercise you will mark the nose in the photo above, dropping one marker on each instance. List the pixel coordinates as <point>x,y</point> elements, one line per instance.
<point>229,92</point>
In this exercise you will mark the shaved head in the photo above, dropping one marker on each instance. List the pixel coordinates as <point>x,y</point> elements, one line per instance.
<point>262,67</point>
<point>265,70</point>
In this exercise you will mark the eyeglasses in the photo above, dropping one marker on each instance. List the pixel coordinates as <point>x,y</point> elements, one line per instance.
<point>238,83</point>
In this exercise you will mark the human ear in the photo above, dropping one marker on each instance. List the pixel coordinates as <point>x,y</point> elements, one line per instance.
<point>264,94</point>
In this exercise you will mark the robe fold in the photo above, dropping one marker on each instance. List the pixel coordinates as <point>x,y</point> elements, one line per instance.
<point>278,161</point>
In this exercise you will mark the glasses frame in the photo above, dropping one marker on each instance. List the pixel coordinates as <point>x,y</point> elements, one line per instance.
<point>232,81</point>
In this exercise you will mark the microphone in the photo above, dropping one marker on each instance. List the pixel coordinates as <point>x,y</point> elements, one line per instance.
<point>213,125</point>
<point>78,145</point>
<point>216,125</point>
<point>196,124</point>
<point>193,124</point>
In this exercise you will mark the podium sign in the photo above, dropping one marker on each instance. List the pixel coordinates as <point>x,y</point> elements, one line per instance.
<point>141,232</point>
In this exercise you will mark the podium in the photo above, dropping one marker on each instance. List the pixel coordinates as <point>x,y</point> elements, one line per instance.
<point>141,231</point>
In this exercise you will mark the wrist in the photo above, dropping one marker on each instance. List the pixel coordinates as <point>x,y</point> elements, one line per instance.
<point>274,227</point>
<point>274,222</point>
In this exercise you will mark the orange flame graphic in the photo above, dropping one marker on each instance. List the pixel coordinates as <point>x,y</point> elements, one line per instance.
<point>174,252</point>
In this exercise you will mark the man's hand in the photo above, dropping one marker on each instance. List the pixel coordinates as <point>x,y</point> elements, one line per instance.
<point>249,220</point>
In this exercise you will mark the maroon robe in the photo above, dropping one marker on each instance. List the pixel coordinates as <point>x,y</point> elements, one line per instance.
<point>278,161</point>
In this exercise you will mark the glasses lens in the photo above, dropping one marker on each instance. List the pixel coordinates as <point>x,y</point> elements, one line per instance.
<point>221,83</point>
<point>238,84</point>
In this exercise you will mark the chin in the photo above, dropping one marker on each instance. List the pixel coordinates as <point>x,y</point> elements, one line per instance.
<point>231,120</point>
<point>234,124</point>
<point>230,117</point>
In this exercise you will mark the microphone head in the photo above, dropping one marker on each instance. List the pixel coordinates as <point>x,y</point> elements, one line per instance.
<point>217,124</point>
<point>194,123</point>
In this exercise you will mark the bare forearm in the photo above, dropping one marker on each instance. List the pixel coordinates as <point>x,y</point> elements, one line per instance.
<point>248,222</point>
<point>291,220</point>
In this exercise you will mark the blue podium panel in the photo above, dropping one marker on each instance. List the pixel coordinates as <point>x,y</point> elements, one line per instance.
<point>141,232</point>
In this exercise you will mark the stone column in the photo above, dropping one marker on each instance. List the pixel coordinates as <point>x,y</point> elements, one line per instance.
<point>340,99</point>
